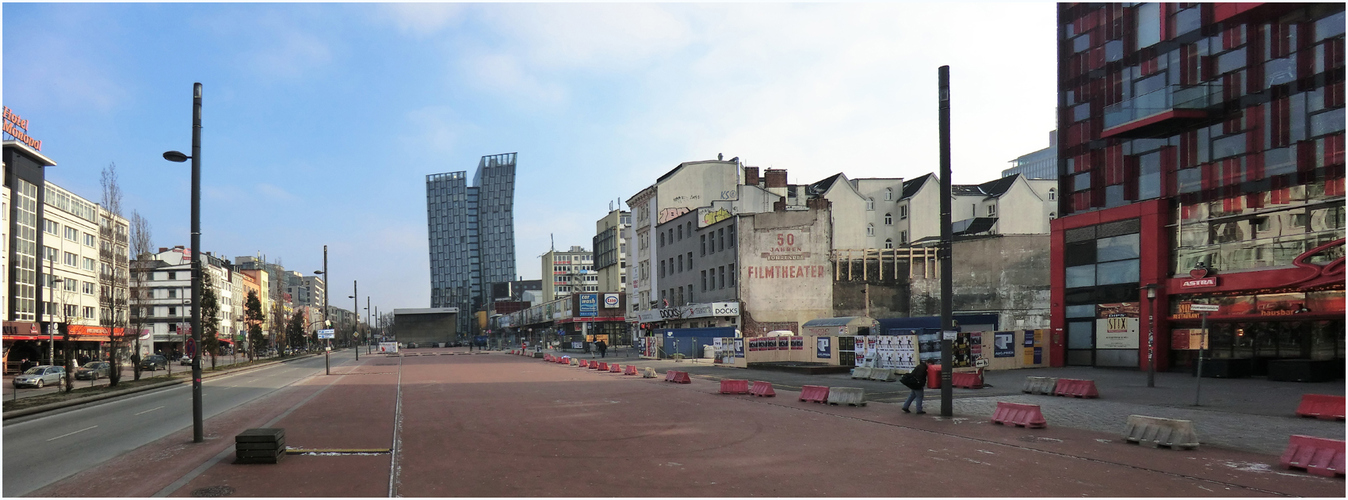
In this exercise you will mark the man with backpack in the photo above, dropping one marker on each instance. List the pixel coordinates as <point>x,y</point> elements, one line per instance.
<point>917,381</point>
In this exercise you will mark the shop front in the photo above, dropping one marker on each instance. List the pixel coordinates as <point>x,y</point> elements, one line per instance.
<point>1250,331</point>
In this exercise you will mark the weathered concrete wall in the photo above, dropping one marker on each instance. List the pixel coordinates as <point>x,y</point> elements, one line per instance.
<point>1006,275</point>
<point>784,271</point>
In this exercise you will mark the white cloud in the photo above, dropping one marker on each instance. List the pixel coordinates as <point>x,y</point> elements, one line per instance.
<point>503,74</point>
<point>289,55</point>
<point>422,19</point>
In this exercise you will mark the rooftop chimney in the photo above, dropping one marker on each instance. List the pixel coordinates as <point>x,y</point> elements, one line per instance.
<point>776,177</point>
<point>750,176</point>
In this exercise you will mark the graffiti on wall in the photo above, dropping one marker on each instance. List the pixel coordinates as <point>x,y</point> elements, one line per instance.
<point>709,216</point>
<point>669,214</point>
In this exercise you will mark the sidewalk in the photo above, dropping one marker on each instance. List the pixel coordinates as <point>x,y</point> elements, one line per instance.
<point>435,422</point>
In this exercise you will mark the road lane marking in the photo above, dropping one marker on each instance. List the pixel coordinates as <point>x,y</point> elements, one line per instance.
<point>149,410</point>
<point>72,433</point>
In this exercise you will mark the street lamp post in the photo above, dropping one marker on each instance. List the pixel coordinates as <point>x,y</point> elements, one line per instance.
<point>174,156</point>
<point>355,308</point>
<point>1151,335</point>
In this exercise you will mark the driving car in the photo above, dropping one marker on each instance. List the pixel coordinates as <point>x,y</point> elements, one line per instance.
<point>93,371</point>
<point>38,376</point>
<point>154,363</point>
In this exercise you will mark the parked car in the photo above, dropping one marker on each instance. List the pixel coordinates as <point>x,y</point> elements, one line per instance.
<point>93,371</point>
<point>154,363</point>
<point>39,376</point>
<point>411,345</point>
<point>185,361</point>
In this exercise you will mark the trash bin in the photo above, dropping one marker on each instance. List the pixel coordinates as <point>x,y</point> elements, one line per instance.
<point>709,351</point>
<point>933,376</point>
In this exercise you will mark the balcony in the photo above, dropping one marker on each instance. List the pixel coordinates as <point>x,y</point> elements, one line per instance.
<point>1160,111</point>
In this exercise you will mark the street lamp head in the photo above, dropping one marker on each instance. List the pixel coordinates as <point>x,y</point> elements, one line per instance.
<point>318,272</point>
<point>175,157</point>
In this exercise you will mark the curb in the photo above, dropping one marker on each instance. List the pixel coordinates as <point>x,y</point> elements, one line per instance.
<point>64,404</point>
<point>75,402</point>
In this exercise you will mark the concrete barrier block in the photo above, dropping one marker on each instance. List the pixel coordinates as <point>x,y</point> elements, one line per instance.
<point>861,372</point>
<point>1039,385</point>
<point>648,373</point>
<point>1157,431</point>
<point>851,396</point>
<point>883,374</point>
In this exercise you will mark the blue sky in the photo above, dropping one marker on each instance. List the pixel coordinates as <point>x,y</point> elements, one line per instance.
<point>321,121</point>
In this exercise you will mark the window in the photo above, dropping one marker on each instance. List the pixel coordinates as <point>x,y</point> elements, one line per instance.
<point>731,231</point>
<point>72,234</point>
<point>870,229</point>
<point>720,236</point>
<point>903,237</point>
<point>889,220</point>
<point>680,263</point>
<point>72,260</point>
<point>732,274</point>
<point>89,312</point>
<point>704,243</point>
<point>49,253</point>
<point>870,203</point>
<point>992,210</point>
<point>704,280</point>
<point>88,288</point>
<point>173,293</point>
<point>889,194</point>
<point>88,264</point>
<point>680,233</point>
<point>889,243</point>
<point>50,226</point>
<point>722,271</point>
<point>662,239</point>
<point>690,261</point>
<point>1148,24</point>
<point>1052,194</point>
<point>903,212</point>
<point>88,240</point>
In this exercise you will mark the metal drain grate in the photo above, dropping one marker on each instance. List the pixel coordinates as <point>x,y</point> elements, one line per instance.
<point>213,491</point>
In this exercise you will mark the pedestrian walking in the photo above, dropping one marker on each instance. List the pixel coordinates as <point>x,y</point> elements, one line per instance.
<point>603,348</point>
<point>917,381</point>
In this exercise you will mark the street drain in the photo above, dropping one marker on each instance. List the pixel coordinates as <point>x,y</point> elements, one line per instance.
<point>213,491</point>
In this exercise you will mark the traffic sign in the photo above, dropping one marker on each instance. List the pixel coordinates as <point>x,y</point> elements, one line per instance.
<point>327,334</point>
<point>1204,307</point>
<point>191,348</point>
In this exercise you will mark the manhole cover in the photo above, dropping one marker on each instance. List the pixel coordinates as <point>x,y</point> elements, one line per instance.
<point>213,491</point>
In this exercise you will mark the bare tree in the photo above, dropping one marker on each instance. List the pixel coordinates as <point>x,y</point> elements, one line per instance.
<point>113,275</point>
<point>278,324</point>
<point>141,246</point>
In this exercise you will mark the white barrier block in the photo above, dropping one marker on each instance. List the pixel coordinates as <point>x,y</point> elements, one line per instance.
<point>883,374</point>
<point>1157,431</point>
<point>861,372</point>
<point>846,396</point>
<point>648,373</point>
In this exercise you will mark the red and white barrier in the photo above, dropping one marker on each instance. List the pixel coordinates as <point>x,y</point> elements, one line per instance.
<point>1319,456</point>
<point>1076,388</point>
<point>1019,415</point>
<point>615,368</point>
<point>1321,406</point>
<point>763,389</point>
<point>730,386</point>
<point>631,370</point>
<point>814,393</point>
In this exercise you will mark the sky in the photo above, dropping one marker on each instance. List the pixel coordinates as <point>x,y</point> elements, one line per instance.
<point>320,121</point>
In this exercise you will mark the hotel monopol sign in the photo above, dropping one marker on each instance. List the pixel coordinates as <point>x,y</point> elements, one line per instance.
<point>17,127</point>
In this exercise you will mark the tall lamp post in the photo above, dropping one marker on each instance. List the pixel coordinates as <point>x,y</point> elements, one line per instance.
<point>174,156</point>
<point>1151,334</point>
<point>324,273</point>
<point>355,308</point>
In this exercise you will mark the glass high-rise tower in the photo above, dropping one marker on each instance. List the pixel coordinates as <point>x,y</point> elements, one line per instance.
<point>471,231</point>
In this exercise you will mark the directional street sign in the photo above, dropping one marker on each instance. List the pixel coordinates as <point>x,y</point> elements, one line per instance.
<point>327,334</point>
<point>1212,308</point>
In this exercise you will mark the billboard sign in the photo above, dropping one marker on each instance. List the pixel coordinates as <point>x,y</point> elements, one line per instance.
<point>589,305</point>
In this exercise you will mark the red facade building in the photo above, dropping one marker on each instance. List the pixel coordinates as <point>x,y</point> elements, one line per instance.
<point>1201,157</point>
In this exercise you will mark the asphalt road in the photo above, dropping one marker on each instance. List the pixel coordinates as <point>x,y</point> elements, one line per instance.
<point>9,390</point>
<point>47,447</point>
